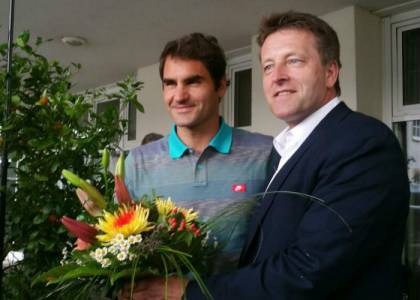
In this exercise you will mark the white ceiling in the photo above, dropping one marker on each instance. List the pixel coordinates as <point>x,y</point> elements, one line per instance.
<point>126,34</point>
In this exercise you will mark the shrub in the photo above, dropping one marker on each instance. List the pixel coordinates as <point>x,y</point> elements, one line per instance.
<point>50,128</point>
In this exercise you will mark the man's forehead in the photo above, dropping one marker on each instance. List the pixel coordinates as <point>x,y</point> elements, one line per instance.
<point>183,60</point>
<point>288,36</point>
<point>190,67</point>
<point>290,31</point>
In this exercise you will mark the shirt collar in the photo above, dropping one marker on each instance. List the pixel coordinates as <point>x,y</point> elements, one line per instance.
<point>221,142</point>
<point>298,134</point>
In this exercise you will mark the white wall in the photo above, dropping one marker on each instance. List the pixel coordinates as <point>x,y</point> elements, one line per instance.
<point>343,23</point>
<point>360,35</point>
<point>369,63</point>
<point>155,118</point>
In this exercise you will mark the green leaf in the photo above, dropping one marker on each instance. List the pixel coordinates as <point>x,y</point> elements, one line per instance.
<point>123,274</point>
<point>27,49</point>
<point>34,235</point>
<point>54,274</point>
<point>126,273</point>
<point>138,106</point>
<point>15,99</point>
<point>41,144</point>
<point>40,178</point>
<point>54,167</point>
<point>86,271</point>
<point>3,47</point>
<point>138,84</point>
<point>39,219</point>
<point>39,41</point>
<point>122,85</point>
<point>23,39</point>
<point>8,127</point>
<point>188,238</point>
<point>71,177</point>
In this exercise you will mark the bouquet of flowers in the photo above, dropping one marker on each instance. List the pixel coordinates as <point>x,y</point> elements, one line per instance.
<point>125,240</point>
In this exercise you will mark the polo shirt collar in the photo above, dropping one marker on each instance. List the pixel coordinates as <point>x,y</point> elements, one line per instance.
<point>221,142</point>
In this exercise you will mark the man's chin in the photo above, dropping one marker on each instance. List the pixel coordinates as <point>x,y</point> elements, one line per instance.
<point>184,124</point>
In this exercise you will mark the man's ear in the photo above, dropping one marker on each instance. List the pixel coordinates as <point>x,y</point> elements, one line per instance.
<point>331,74</point>
<point>221,91</point>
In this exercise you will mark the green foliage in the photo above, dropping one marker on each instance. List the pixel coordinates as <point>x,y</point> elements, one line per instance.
<point>50,128</point>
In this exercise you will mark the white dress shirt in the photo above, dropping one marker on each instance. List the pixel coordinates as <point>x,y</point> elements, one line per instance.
<point>290,139</point>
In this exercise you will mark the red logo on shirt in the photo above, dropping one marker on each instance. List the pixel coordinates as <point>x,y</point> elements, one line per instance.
<point>239,188</point>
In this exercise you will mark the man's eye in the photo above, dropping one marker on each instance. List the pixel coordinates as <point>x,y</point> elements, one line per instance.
<point>169,84</point>
<point>194,82</point>
<point>267,68</point>
<point>294,61</point>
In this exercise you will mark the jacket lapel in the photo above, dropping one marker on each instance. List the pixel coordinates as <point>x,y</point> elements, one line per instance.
<point>328,123</point>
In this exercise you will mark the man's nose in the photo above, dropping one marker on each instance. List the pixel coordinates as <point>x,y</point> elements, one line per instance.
<point>280,74</point>
<point>181,93</point>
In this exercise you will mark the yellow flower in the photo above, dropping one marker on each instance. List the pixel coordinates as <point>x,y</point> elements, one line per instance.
<point>164,206</point>
<point>126,221</point>
<point>189,214</point>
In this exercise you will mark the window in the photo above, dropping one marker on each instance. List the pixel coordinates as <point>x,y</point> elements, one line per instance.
<point>405,70</point>
<point>237,105</point>
<point>242,97</point>
<point>411,66</point>
<point>132,122</point>
<point>105,106</point>
<point>129,113</point>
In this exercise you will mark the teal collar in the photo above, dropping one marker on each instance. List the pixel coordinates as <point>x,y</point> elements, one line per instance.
<point>221,142</point>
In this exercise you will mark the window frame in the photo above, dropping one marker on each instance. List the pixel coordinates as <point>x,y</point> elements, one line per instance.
<point>415,130</point>
<point>237,60</point>
<point>394,26</point>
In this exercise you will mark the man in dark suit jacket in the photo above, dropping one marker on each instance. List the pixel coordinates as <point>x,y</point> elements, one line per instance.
<point>347,245</point>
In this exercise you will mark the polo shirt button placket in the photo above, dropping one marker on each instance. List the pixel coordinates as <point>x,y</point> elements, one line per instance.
<point>201,172</point>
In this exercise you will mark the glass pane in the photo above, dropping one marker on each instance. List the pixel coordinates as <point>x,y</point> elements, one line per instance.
<point>243,88</point>
<point>109,108</point>
<point>132,122</point>
<point>411,66</point>
<point>406,132</point>
<point>103,107</point>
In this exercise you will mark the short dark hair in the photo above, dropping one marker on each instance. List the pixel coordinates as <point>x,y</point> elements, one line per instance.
<point>326,37</point>
<point>197,46</point>
<point>151,137</point>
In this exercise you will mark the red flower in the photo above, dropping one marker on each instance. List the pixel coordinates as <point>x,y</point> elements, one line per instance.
<point>81,230</point>
<point>182,225</point>
<point>121,192</point>
<point>81,245</point>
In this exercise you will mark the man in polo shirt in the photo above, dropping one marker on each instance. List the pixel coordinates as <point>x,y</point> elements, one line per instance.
<point>203,163</point>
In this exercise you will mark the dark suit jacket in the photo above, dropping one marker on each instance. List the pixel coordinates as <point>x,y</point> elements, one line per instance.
<point>299,249</point>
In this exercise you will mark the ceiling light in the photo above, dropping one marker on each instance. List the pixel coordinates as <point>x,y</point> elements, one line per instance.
<point>73,41</point>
